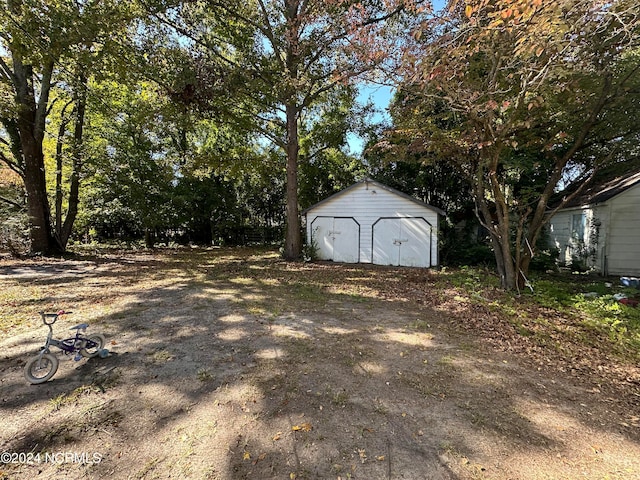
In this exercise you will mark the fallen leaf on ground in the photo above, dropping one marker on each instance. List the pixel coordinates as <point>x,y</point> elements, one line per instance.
<point>305,427</point>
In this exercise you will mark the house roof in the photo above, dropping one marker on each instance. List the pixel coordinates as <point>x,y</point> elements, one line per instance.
<point>377,185</point>
<point>603,188</point>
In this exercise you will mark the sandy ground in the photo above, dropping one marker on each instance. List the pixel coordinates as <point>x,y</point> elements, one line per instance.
<point>224,366</point>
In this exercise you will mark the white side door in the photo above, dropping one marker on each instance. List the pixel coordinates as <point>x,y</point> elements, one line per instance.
<point>337,239</point>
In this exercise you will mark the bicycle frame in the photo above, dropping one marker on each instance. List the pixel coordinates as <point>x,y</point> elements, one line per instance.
<point>68,345</point>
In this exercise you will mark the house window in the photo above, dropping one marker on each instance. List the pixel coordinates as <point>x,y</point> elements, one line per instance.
<point>578,226</point>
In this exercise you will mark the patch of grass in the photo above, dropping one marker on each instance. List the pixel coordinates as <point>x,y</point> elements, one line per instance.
<point>469,279</point>
<point>70,398</point>
<point>309,293</point>
<point>446,360</point>
<point>160,356</point>
<point>420,325</point>
<point>340,399</point>
<point>620,323</point>
<point>591,305</point>
<point>204,375</point>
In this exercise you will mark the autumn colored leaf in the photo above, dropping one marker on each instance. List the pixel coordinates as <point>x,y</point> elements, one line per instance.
<point>468,11</point>
<point>304,427</point>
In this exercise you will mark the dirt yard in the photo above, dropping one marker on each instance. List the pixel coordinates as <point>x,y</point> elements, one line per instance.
<point>233,364</point>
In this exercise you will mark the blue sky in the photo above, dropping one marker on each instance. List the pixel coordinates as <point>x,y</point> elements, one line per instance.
<point>381,97</point>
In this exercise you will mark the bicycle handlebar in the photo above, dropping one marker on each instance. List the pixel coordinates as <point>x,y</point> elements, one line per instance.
<point>51,316</point>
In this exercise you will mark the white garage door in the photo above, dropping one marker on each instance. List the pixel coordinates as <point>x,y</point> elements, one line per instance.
<point>338,239</point>
<point>402,241</point>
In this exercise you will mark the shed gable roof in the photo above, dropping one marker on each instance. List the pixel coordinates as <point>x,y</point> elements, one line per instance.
<point>605,188</point>
<point>369,181</point>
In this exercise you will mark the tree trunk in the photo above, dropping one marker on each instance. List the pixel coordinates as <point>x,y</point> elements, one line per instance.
<point>31,116</point>
<point>74,181</point>
<point>293,238</point>
<point>496,220</point>
<point>42,241</point>
<point>62,130</point>
<point>149,238</point>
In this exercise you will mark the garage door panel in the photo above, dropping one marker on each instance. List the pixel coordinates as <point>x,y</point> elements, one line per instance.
<point>402,241</point>
<point>337,239</point>
<point>386,250</point>
<point>415,251</point>
<point>346,243</point>
<point>322,226</point>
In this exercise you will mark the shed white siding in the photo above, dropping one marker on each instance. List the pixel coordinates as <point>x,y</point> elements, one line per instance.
<point>611,237</point>
<point>367,204</point>
<point>623,239</point>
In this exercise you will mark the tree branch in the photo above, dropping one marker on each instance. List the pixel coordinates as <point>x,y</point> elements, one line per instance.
<point>11,202</point>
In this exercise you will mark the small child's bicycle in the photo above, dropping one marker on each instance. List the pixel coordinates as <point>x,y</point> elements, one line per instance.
<point>43,366</point>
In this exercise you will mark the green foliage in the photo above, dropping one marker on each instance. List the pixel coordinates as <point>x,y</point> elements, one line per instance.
<point>595,308</point>
<point>471,279</point>
<point>14,227</point>
<point>572,309</point>
<point>49,50</point>
<point>470,254</point>
<point>310,249</point>
<point>515,98</point>
<point>545,259</point>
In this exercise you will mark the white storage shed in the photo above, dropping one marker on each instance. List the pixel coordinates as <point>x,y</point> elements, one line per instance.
<point>372,223</point>
<point>602,227</point>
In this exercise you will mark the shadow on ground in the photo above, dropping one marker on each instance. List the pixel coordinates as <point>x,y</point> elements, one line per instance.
<point>234,364</point>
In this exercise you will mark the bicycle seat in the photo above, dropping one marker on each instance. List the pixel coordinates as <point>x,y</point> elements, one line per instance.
<point>82,326</point>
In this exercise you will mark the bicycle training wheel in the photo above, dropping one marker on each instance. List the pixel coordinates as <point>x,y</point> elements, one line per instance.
<point>41,368</point>
<point>99,341</point>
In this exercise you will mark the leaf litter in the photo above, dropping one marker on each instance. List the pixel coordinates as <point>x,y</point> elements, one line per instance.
<point>361,372</point>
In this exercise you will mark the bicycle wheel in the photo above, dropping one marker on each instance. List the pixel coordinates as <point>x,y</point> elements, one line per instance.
<point>41,368</point>
<point>92,351</point>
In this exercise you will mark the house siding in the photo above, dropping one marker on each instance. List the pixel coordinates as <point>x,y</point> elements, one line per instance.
<point>613,234</point>
<point>623,239</point>
<point>367,203</point>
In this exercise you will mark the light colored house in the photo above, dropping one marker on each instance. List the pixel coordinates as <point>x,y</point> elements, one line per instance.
<point>371,223</point>
<point>601,227</point>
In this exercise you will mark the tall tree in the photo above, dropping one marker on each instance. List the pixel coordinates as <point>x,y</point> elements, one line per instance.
<point>515,94</point>
<point>274,60</point>
<point>43,44</point>
<point>136,163</point>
